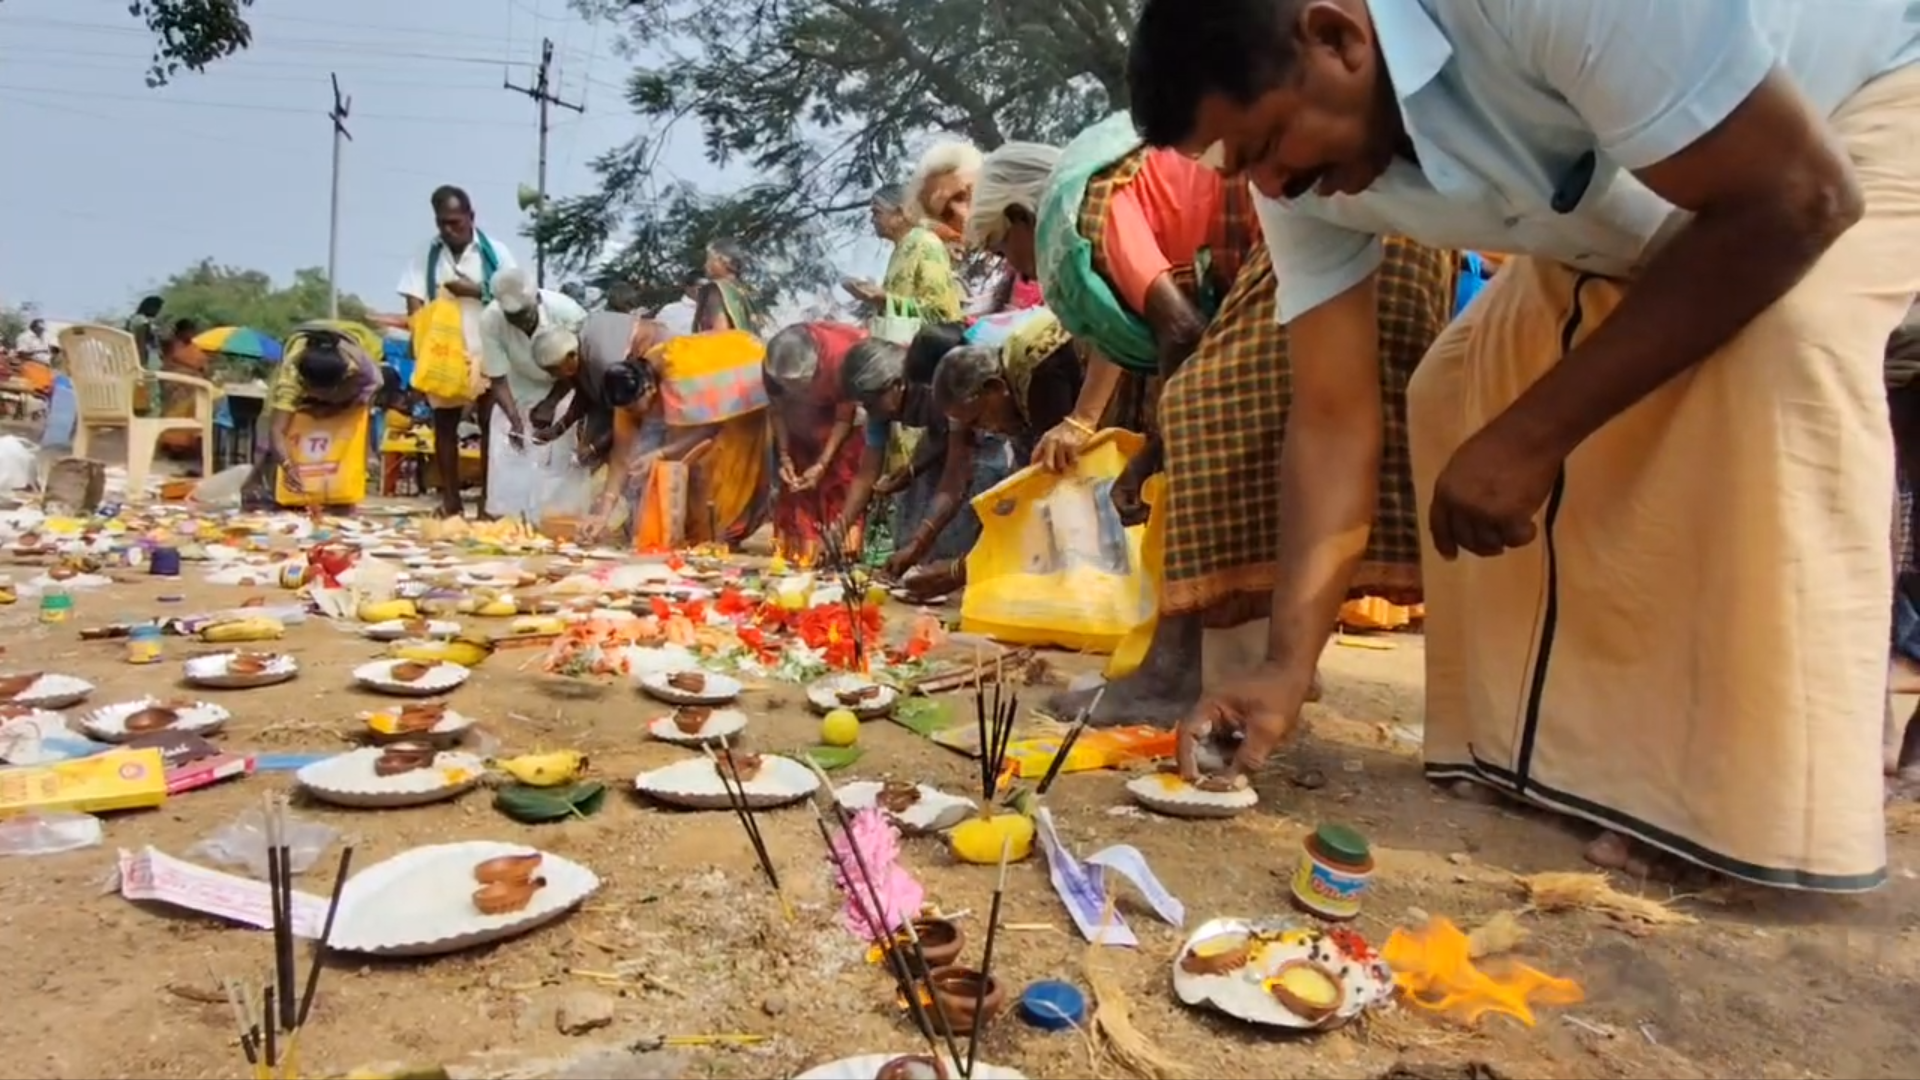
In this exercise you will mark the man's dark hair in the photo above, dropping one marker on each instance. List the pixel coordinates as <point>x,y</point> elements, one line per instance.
<point>151,306</point>
<point>1184,52</point>
<point>448,197</point>
<point>934,341</point>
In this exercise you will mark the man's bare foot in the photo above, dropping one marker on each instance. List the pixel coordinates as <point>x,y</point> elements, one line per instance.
<point>1468,791</point>
<point>1904,676</point>
<point>1611,851</point>
<point>451,509</point>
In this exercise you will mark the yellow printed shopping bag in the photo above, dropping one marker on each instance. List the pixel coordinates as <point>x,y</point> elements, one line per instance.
<point>441,366</point>
<point>329,453</point>
<point>1054,565</point>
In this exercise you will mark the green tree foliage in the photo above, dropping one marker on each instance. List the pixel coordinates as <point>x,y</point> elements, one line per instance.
<point>191,33</point>
<point>823,100</point>
<point>12,321</point>
<point>213,295</point>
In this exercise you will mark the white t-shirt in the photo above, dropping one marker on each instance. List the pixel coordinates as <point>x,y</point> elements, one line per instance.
<point>508,351</point>
<point>677,316</point>
<point>413,283</point>
<point>34,346</point>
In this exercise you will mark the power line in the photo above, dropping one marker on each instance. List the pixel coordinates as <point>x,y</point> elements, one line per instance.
<point>542,93</point>
<point>249,106</point>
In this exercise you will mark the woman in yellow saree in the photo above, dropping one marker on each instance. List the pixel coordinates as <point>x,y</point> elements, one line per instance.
<point>706,390</point>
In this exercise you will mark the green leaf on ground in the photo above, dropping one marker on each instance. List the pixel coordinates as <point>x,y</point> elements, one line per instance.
<point>924,715</point>
<point>830,758</point>
<point>537,805</point>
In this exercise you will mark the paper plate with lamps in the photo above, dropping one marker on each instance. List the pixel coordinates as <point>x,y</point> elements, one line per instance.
<point>1280,973</point>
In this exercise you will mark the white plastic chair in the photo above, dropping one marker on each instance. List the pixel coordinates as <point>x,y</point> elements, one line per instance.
<point>104,364</point>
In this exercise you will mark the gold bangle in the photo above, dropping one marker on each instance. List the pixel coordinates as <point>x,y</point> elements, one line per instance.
<point>1079,425</point>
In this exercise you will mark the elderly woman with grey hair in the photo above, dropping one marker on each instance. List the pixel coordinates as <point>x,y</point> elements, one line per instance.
<point>1015,391</point>
<point>947,466</point>
<point>812,434</point>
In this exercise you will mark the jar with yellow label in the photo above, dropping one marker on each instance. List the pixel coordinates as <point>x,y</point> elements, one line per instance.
<point>1336,864</point>
<point>143,645</point>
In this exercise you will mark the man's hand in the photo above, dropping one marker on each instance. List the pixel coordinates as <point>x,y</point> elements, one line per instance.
<point>892,483</point>
<point>541,415</point>
<point>862,289</point>
<point>1485,498</point>
<point>464,289</point>
<point>927,582</point>
<point>517,433</point>
<point>544,434</point>
<point>1262,707</point>
<point>1059,448</point>
<point>290,476</point>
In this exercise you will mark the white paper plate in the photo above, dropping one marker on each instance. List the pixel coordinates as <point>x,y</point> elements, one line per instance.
<point>824,696</point>
<point>905,596</point>
<point>720,724</point>
<point>211,671</point>
<point>936,810</point>
<point>349,779</point>
<point>1242,994</point>
<point>109,724</point>
<point>720,689</point>
<point>696,784</point>
<point>23,737</point>
<point>377,675</point>
<point>1166,793</point>
<point>393,551</point>
<point>397,629</point>
<point>420,902</point>
<point>674,590</point>
<point>53,691</point>
<point>866,1066</point>
<point>247,575</point>
<point>484,580</point>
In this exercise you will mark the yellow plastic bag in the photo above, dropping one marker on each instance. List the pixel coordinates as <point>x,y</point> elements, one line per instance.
<point>441,366</point>
<point>1132,651</point>
<point>330,455</point>
<point>1053,565</point>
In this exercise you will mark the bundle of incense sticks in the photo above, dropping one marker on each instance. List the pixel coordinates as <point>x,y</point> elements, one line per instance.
<point>282,1014</point>
<point>995,719</point>
<point>743,810</point>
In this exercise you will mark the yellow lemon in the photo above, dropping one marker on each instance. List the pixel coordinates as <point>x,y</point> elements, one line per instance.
<point>840,728</point>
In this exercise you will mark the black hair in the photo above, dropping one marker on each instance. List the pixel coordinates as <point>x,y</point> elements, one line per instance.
<point>151,306</point>
<point>321,364</point>
<point>1183,53</point>
<point>446,196</point>
<point>392,393</point>
<point>627,382</point>
<point>934,341</point>
<point>185,328</point>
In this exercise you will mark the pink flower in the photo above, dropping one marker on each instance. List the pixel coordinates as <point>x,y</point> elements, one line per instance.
<point>900,896</point>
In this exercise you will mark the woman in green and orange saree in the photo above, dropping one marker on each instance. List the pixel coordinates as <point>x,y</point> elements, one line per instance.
<point>723,302</point>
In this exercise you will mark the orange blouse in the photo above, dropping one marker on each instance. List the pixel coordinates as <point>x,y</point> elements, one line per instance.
<point>1173,207</point>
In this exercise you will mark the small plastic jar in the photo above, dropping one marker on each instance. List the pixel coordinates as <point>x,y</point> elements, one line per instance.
<point>143,644</point>
<point>1335,866</point>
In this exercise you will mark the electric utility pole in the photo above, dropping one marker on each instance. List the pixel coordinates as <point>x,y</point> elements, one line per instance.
<point>340,138</point>
<point>542,92</point>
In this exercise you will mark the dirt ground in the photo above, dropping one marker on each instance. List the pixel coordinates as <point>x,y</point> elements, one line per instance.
<point>1763,986</point>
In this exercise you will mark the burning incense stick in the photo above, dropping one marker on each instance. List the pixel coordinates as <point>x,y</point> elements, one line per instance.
<point>986,962</point>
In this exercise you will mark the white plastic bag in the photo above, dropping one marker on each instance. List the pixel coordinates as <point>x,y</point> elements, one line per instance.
<point>19,463</point>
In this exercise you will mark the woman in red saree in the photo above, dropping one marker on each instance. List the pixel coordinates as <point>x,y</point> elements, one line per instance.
<point>813,422</point>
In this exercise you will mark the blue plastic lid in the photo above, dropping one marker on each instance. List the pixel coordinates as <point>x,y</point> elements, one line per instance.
<point>1051,1005</point>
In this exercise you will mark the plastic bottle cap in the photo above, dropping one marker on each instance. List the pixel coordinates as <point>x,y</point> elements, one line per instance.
<point>1342,842</point>
<point>1051,1005</point>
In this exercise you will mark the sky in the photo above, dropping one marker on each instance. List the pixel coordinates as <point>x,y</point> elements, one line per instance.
<point>110,186</point>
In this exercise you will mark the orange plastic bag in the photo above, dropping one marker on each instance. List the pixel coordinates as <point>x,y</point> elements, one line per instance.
<point>441,366</point>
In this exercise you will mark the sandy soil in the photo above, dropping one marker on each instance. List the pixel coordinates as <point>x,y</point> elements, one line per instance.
<point>1763,986</point>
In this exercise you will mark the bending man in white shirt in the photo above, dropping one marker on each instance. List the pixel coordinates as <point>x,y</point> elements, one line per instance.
<point>514,380</point>
<point>1653,456</point>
